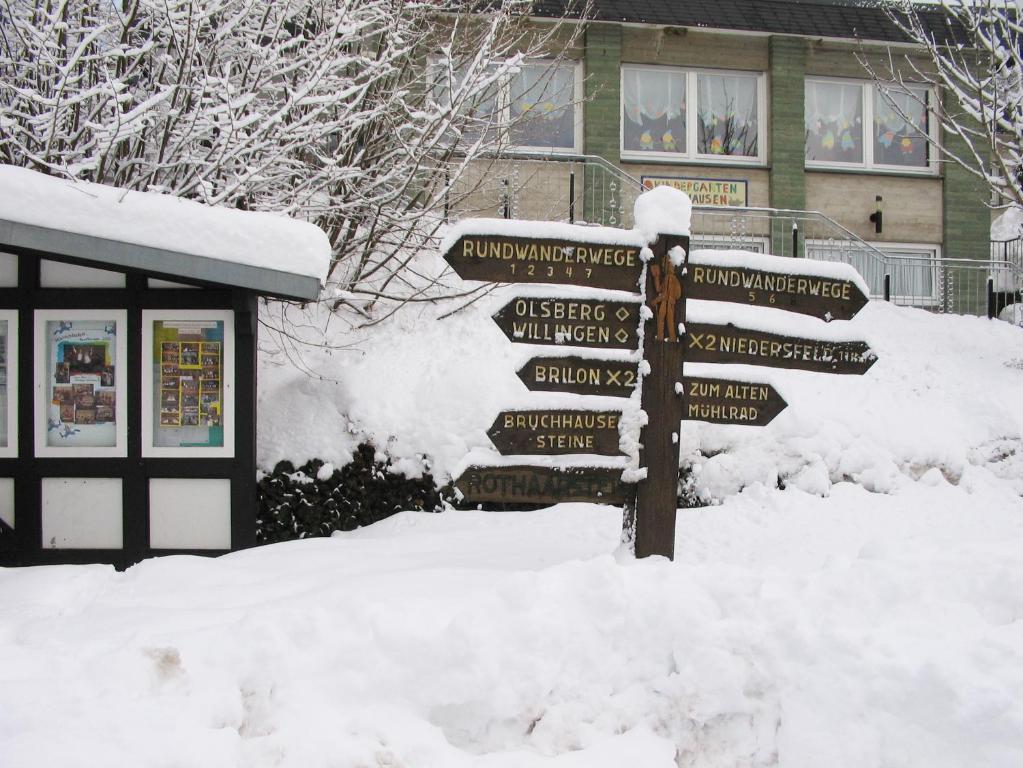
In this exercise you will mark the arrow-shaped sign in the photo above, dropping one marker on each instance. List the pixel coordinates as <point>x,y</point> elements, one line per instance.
<point>580,376</point>
<point>556,432</point>
<point>723,401</point>
<point>825,297</point>
<point>711,343</point>
<point>542,485</point>
<point>572,322</point>
<point>511,259</point>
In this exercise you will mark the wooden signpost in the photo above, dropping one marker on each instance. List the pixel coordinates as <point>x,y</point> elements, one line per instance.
<point>543,485</point>
<point>669,278</point>
<point>827,298</point>
<point>556,432</point>
<point>710,343</point>
<point>723,401</point>
<point>580,376</point>
<point>572,322</point>
<point>504,259</point>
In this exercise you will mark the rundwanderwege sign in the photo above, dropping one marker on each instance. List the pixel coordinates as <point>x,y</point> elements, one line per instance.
<point>572,322</point>
<point>506,259</point>
<point>827,298</point>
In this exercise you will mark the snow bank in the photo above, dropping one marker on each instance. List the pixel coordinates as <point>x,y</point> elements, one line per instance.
<point>857,631</point>
<point>163,221</point>
<point>853,599</point>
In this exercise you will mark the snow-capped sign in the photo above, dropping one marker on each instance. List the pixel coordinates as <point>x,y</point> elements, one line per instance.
<point>526,484</point>
<point>547,432</point>
<point>580,376</point>
<point>715,343</point>
<point>825,290</point>
<point>515,259</point>
<point>723,401</point>
<point>572,322</point>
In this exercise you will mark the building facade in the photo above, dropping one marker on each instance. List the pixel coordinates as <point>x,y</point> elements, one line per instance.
<point>759,104</point>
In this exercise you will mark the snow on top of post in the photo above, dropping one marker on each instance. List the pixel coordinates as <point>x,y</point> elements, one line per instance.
<point>663,211</point>
<point>154,220</point>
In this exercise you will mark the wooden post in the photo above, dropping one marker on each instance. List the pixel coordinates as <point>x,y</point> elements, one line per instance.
<point>663,349</point>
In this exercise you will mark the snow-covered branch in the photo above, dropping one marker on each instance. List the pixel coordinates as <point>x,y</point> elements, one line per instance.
<point>970,53</point>
<point>366,117</point>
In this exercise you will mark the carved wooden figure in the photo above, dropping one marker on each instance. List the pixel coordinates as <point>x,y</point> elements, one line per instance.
<point>668,289</point>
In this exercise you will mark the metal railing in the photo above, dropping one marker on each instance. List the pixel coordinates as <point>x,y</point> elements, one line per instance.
<point>589,189</point>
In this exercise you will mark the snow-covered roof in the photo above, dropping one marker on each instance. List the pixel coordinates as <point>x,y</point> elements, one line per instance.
<point>161,234</point>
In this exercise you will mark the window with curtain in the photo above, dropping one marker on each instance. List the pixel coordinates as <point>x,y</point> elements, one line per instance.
<point>532,105</point>
<point>896,142</point>
<point>834,122</point>
<point>690,113</point>
<point>727,114</point>
<point>542,106</point>
<point>654,110</point>
<point>851,122</point>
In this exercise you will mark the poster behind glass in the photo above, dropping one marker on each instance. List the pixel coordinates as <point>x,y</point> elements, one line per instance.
<point>4,325</point>
<point>80,378</point>
<point>188,367</point>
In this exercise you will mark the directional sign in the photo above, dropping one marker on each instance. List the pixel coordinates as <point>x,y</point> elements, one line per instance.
<point>710,343</point>
<point>580,376</point>
<point>573,322</point>
<point>829,298</point>
<point>722,401</point>
<point>506,259</point>
<point>542,485</point>
<point>556,432</point>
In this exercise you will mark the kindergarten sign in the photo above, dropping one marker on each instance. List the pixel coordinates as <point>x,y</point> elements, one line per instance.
<point>719,192</point>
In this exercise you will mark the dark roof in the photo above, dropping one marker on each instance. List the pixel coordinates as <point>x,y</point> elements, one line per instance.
<point>814,18</point>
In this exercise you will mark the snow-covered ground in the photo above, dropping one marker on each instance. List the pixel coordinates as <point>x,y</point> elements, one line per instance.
<point>852,598</point>
<point>861,629</point>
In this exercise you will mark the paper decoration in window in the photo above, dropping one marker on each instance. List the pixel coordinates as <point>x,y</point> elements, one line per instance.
<point>727,115</point>
<point>654,110</point>
<point>542,113</point>
<point>896,141</point>
<point>834,122</point>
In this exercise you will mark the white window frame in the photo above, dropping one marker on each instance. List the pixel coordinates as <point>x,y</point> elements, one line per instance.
<point>929,251</point>
<point>868,90</point>
<point>227,381</point>
<point>11,316</point>
<point>42,402</point>
<point>926,251</point>
<point>692,129</point>
<point>504,101</point>
<point>504,107</point>
<point>759,243</point>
